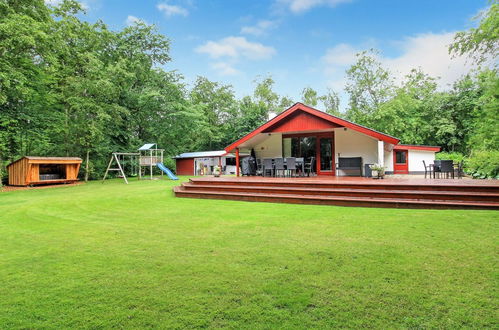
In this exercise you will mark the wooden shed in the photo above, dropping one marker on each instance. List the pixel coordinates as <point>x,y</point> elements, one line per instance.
<point>32,170</point>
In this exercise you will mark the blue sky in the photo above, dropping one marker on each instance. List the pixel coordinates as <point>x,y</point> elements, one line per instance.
<point>298,42</point>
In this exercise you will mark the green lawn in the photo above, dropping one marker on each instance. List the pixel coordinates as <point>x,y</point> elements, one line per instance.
<point>116,255</point>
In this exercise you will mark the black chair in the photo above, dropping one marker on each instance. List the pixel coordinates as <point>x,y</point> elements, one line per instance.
<point>459,169</point>
<point>267,167</point>
<point>447,167</point>
<point>291,166</point>
<point>310,166</point>
<point>300,165</point>
<point>279,166</point>
<point>427,169</point>
<point>436,168</point>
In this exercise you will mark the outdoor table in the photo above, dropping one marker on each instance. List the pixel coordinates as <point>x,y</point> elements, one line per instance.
<point>300,164</point>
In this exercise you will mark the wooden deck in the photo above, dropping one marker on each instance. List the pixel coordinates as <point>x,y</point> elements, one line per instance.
<point>349,191</point>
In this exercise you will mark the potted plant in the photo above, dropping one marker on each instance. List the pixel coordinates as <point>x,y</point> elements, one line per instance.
<point>378,171</point>
<point>216,171</point>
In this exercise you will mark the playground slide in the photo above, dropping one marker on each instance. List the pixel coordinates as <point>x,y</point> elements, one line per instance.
<point>167,171</point>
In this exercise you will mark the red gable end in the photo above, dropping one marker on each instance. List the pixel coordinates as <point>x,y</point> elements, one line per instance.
<point>299,118</point>
<point>300,121</point>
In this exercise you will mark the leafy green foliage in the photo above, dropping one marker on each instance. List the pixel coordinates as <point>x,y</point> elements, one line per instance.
<point>463,120</point>
<point>455,156</point>
<point>480,42</point>
<point>484,164</point>
<point>369,85</point>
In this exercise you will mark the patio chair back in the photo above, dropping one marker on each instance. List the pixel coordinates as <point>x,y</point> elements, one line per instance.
<point>267,166</point>
<point>310,166</point>
<point>291,163</point>
<point>446,166</point>
<point>460,169</point>
<point>436,165</point>
<point>279,164</point>
<point>427,169</point>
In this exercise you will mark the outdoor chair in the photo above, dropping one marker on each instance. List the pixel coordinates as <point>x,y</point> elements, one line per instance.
<point>427,169</point>
<point>279,166</point>
<point>267,167</point>
<point>259,167</point>
<point>459,168</point>
<point>300,166</point>
<point>310,166</point>
<point>447,167</point>
<point>291,166</point>
<point>436,168</point>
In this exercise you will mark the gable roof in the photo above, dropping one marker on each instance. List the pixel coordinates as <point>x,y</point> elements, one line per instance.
<point>335,122</point>
<point>48,160</point>
<point>217,153</point>
<point>416,147</point>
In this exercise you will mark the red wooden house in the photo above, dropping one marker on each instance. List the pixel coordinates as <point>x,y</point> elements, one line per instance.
<point>302,131</point>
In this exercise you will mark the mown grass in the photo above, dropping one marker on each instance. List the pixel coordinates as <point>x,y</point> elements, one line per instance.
<point>115,255</point>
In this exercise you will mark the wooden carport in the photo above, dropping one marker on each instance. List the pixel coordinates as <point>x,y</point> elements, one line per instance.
<point>31,170</point>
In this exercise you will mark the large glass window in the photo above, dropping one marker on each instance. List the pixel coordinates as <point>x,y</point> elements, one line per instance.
<point>299,147</point>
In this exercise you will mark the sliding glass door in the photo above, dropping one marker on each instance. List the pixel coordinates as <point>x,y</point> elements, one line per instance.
<point>318,146</point>
<point>326,154</point>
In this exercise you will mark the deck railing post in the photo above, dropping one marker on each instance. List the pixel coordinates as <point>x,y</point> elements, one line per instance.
<point>237,161</point>
<point>381,153</point>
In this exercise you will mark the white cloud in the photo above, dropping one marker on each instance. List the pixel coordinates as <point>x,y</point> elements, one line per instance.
<point>236,47</point>
<point>224,69</point>
<point>427,51</point>
<point>261,28</point>
<point>131,20</point>
<point>340,55</point>
<point>172,10</point>
<point>300,6</point>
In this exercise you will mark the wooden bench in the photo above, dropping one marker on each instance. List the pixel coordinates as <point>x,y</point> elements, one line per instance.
<point>350,163</point>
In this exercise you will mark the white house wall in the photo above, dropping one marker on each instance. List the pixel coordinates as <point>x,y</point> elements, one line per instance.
<point>349,143</point>
<point>389,161</point>
<point>416,158</point>
<point>270,147</point>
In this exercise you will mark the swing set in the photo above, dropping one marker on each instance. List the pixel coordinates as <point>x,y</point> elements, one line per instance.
<point>147,157</point>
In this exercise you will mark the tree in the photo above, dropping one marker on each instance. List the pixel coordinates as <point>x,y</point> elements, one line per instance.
<point>219,106</point>
<point>285,103</point>
<point>25,55</point>
<point>265,97</point>
<point>310,97</point>
<point>485,133</point>
<point>480,42</point>
<point>369,85</point>
<point>331,102</point>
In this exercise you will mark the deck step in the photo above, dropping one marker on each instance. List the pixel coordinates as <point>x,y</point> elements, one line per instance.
<point>447,194</point>
<point>353,192</point>
<point>423,185</point>
<point>181,191</point>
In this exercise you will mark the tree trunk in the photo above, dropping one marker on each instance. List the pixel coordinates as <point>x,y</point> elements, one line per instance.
<point>86,165</point>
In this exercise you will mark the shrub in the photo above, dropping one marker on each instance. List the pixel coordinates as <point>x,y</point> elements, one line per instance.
<point>455,156</point>
<point>170,163</point>
<point>483,164</point>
